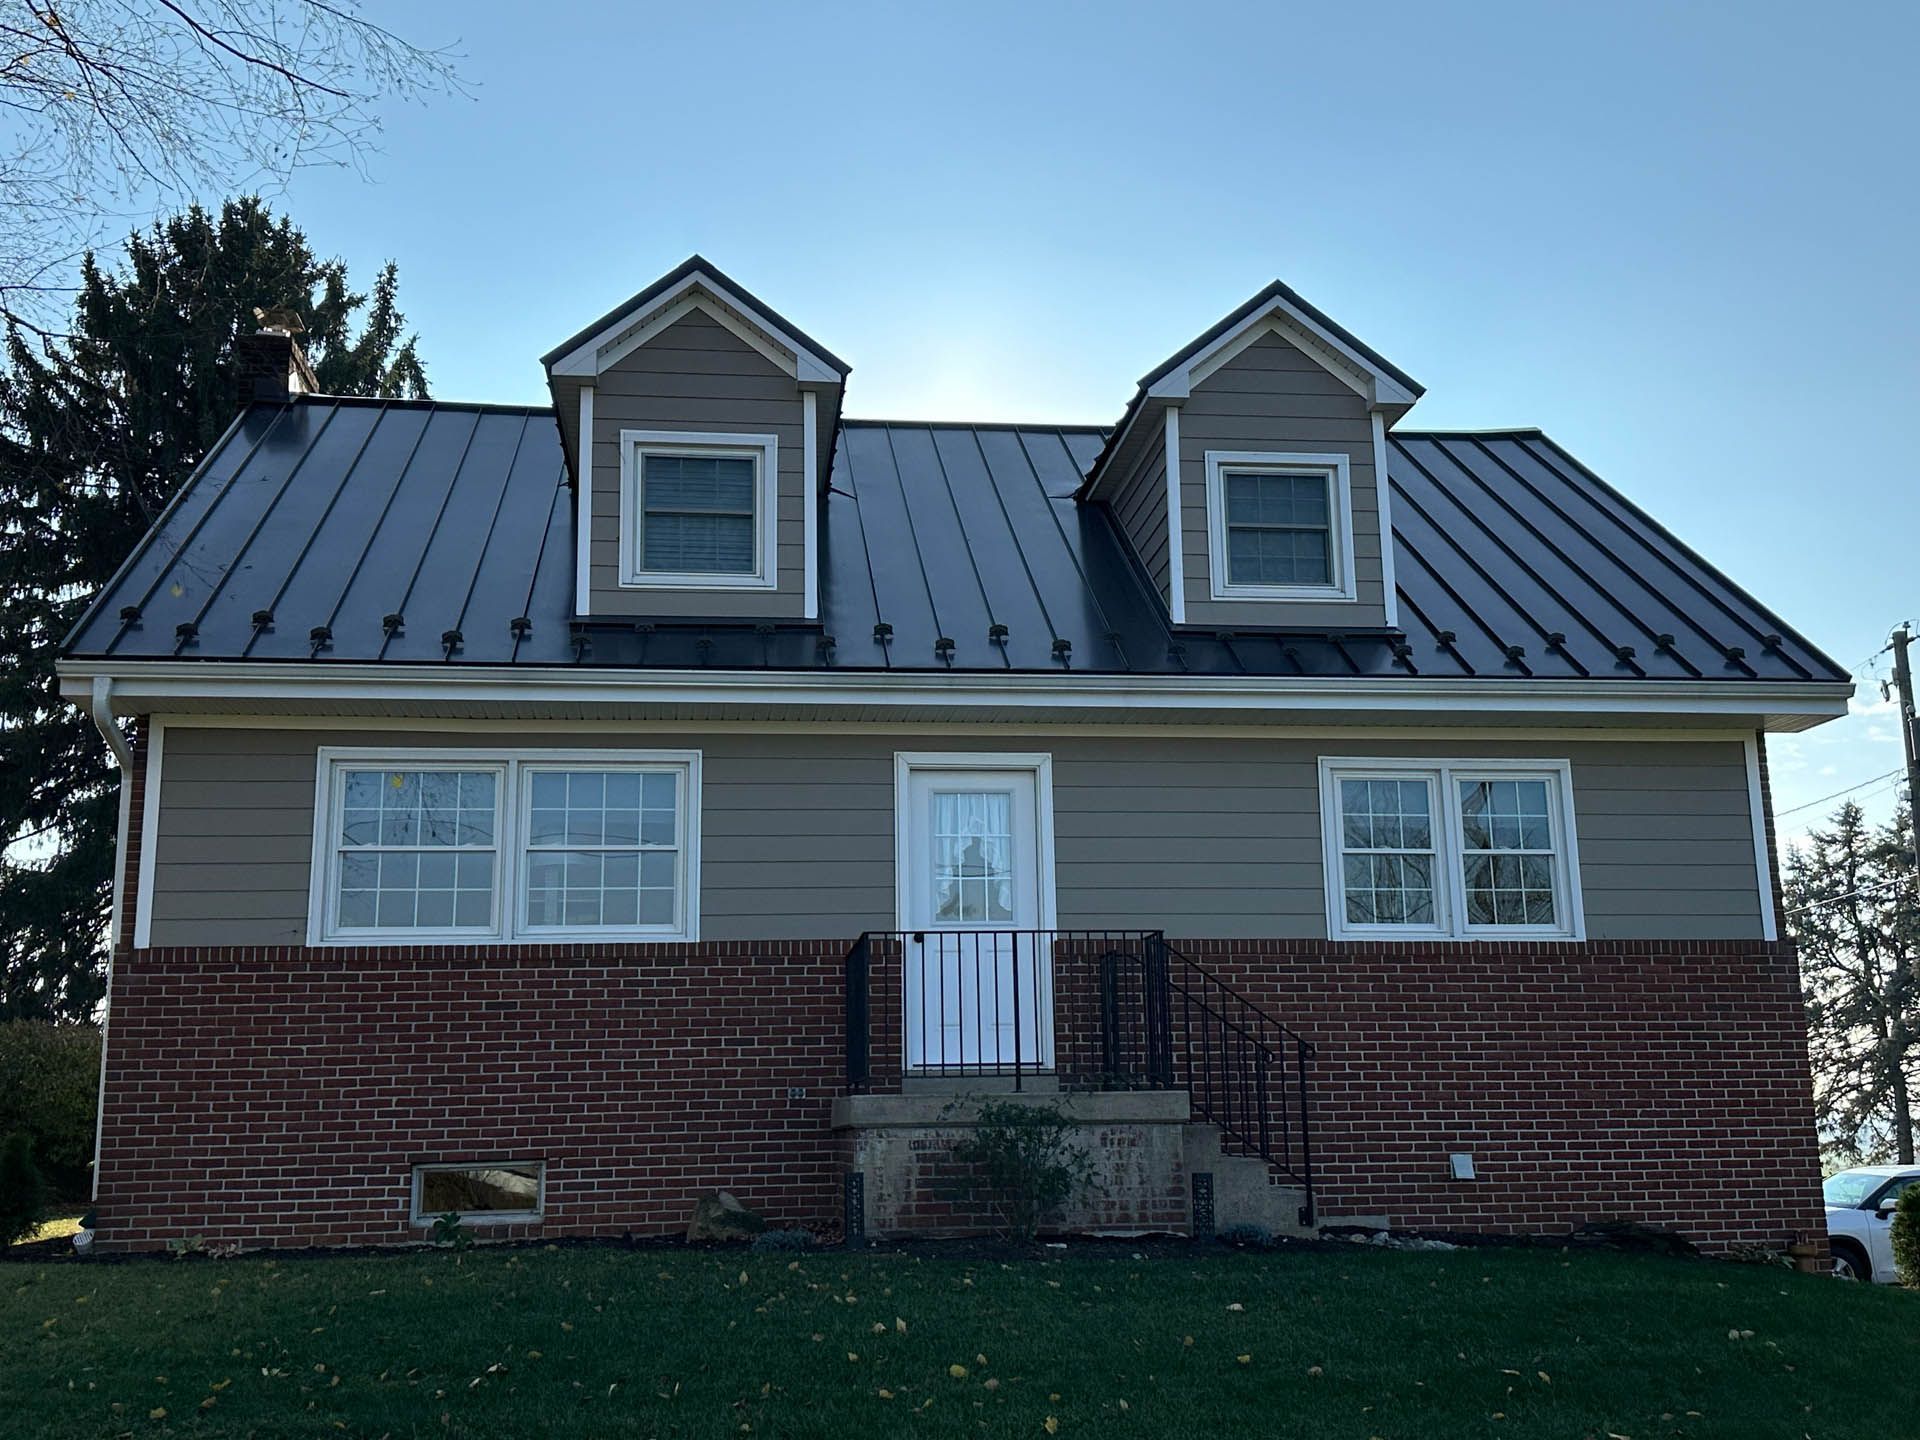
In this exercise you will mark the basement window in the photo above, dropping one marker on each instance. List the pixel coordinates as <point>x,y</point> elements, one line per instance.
<point>1465,849</point>
<point>698,511</point>
<point>487,1193</point>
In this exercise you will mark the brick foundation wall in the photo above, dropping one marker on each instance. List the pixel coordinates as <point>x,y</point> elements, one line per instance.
<point>280,1096</point>
<point>1663,1083</point>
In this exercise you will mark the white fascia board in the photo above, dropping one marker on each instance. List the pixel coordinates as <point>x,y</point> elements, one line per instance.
<point>1383,390</point>
<point>800,362</point>
<point>145,686</point>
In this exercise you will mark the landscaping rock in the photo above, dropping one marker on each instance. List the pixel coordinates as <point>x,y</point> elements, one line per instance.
<point>719,1216</point>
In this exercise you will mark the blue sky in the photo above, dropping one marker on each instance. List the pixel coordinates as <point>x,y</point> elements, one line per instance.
<point>1679,238</point>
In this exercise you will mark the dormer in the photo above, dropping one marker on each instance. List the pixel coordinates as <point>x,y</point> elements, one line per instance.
<point>698,427</point>
<point>1248,474</point>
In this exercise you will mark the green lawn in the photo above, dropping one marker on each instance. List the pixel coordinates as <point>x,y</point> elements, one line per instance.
<point>611,1342</point>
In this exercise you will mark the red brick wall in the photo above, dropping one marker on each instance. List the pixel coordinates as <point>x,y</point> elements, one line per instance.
<point>279,1096</point>
<point>282,1096</point>
<point>1664,1083</point>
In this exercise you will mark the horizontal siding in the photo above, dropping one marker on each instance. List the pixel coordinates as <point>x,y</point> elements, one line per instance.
<point>697,375</point>
<point>1205,837</point>
<point>1139,507</point>
<point>1274,396</point>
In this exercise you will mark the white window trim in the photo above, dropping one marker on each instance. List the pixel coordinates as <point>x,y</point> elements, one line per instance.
<point>510,822</point>
<point>481,1217</point>
<point>1450,905</point>
<point>1336,468</point>
<point>764,451</point>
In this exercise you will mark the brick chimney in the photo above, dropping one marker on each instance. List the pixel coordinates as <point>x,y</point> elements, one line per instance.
<point>269,364</point>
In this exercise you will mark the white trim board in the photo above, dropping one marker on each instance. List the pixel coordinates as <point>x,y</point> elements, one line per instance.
<point>1176,558</point>
<point>1346,734</point>
<point>813,499</point>
<point>1281,316</point>
<point>148,685</point>
<point>698,290</point>
<point>149,834</point>
<point>1383,502</point>
<point>1762,852</point>
<point>583,509</point>
<point>1039,763</point>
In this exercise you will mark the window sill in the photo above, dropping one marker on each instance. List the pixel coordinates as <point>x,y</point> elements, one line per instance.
<point>651,581</point>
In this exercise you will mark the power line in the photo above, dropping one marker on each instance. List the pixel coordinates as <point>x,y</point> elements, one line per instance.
<point>1850,895</point>
<point>1875,780</point>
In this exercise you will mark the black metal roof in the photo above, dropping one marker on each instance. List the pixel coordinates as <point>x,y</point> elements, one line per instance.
<point>415,531</point>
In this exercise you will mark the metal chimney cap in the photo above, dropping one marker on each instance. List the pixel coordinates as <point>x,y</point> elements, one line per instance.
<point>278,320</point>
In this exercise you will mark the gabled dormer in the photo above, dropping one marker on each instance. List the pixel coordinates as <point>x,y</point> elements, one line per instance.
<point>1248,473</point>
<point>698,426</point>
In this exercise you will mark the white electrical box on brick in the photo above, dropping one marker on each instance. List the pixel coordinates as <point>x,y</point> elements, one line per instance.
<point>1461,1166</point>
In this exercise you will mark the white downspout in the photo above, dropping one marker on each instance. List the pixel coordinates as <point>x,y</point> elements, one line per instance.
<point>100,706</point>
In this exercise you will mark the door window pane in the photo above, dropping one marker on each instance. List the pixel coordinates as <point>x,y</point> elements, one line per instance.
<point>973,857</point>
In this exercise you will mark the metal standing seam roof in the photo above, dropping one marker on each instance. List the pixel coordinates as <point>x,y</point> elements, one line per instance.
<point>349,530</point>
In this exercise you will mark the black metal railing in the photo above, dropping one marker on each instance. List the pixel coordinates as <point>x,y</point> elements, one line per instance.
<point>1091,1010</point>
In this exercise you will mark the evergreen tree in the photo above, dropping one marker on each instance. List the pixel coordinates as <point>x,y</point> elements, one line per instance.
<point>1853,908</point>
<point>97,431</point>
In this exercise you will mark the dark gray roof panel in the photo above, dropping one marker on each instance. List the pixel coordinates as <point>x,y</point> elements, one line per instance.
<point>412,531</point>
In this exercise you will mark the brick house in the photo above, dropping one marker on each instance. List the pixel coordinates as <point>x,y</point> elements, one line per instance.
<point>553,814</point>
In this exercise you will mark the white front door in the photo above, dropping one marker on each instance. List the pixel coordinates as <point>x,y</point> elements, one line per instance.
<point>978,982</point>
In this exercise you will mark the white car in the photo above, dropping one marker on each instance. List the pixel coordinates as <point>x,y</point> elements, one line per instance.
<point>1860,1219</point>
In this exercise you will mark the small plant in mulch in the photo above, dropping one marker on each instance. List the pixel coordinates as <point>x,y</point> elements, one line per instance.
<point>1027,1156</point>
<point>1757,1255</point>
<point>449,1234</point>
<point>1906,1236</point>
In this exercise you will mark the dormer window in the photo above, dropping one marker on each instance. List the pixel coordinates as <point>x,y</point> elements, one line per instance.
<point>1280,526</point>
<point>697,511</point>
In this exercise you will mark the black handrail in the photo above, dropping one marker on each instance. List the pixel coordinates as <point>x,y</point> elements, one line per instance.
<point>1090,1009</point>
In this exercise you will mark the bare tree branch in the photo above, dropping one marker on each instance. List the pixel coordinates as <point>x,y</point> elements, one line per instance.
<point>112,111</point>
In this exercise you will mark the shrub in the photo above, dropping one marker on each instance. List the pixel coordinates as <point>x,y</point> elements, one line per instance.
<point>1906,1236</point>
<point>449,1233</point>
<point>49,1088</point>
<point>783,1240</point>
<point>1027,1156</point>
<point>23,1193</point>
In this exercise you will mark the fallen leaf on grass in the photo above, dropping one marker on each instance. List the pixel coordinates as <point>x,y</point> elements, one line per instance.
<point>1052,1426</point>
<point>958,1372</point>
<point>1244,1359</point>
<point>159,1412</point>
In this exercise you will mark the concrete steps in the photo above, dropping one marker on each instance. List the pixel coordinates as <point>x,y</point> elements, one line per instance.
<point>1246,1190</point>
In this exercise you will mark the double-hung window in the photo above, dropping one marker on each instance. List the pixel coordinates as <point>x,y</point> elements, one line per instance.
<point>1470,848</point>
<point>1279,526</point>
<point>698,511</point>
<point>479,846</point>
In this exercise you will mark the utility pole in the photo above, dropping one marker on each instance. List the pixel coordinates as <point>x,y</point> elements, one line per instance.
<point>1909,729</point>
<point>1904,972</point>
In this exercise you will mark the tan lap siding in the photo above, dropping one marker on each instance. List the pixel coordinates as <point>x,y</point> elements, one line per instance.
<point>1204,837</point>
<point>1274,396</point>
<point>697,376</point>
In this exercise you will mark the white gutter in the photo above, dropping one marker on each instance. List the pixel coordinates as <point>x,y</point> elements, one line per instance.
<point>157,684</point>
